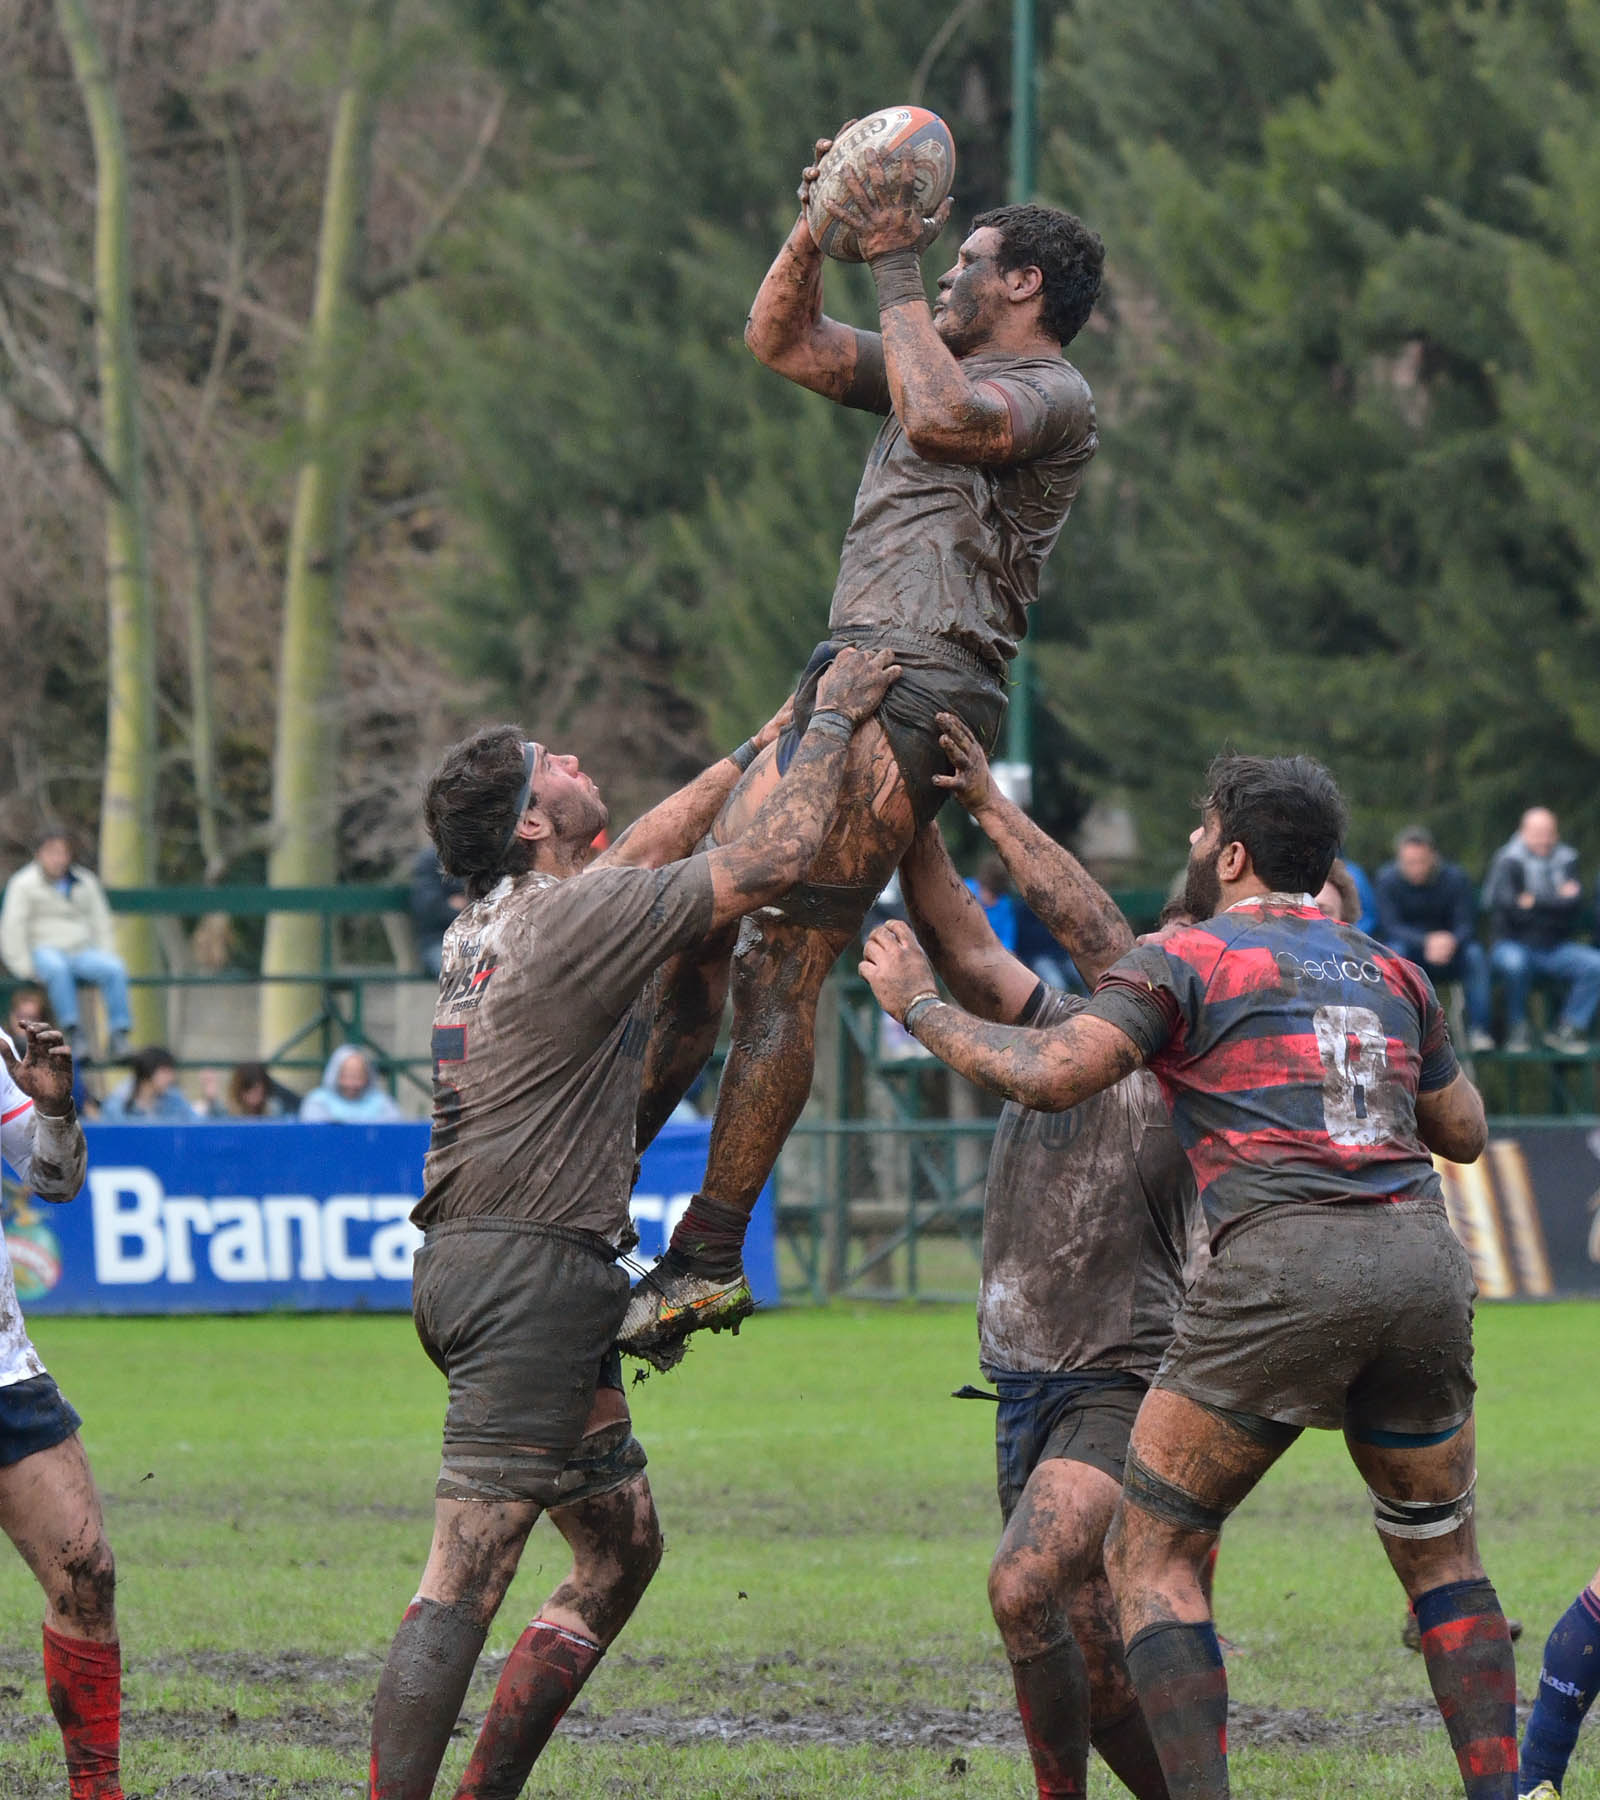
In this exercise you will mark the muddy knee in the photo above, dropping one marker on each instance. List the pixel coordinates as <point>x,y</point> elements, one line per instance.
<point>1029,1606</point>
<point>84,1592</point>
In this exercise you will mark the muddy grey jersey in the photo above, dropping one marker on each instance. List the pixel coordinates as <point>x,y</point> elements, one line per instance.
<point>538,1042</point>
<point>955,549</point>
<point>1085,1228</point>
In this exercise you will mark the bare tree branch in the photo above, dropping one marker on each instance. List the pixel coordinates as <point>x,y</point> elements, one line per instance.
<point>957,17</point>
<point>379,287</point>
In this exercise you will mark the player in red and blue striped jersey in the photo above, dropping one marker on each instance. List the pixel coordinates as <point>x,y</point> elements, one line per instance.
<point>1310,1074</point>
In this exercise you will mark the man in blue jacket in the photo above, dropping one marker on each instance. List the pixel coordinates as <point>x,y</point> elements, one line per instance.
<point>1428,912</point>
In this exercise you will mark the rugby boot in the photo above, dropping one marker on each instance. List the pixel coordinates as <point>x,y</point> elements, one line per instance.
<point>670,1302</point>
<point>1544,1791</point>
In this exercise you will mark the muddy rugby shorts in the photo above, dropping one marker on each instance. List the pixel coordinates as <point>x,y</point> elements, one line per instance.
<point>936,676</point>
<point>522,1320</point>
<point>34,1415</point>
<point>1340,1317</point>
<point>1085,1418</point>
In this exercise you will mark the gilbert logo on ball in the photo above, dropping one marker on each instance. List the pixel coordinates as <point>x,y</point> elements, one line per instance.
<point>896,133</point>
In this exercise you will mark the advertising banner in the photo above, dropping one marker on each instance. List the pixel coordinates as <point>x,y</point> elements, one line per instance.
<point>281,1216</point>
<point>1528,1212</point>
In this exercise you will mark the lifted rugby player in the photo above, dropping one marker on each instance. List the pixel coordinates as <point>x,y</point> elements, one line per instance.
<point>538,1047</point>
<point>1087,1216</point>
<point>48,1504</point>
<point>987,432</point>
<point>1309,1071</point>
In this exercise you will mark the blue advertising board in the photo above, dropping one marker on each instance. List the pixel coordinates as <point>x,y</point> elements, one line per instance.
<point>281,1216</point>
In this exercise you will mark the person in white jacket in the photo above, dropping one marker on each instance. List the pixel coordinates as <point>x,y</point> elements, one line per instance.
<point>48,1504</point>
<point>55,927</point>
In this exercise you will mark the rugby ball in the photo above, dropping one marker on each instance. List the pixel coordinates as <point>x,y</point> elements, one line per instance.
<point>897,132</point>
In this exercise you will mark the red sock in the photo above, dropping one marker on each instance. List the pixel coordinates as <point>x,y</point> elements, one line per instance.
<point>541,1679</point>
<point>84,1681</point>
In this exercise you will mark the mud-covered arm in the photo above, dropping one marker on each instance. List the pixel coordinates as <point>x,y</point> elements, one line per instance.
<point>1072,906</point>
<point>40,1136</point>
<point>947,416</point>
<point>1049,1069</point>
<point>788,331</point>
<point>674,829</point>
<point>1450,1121</point>
<point>950,924</point>
<point>787,831</point>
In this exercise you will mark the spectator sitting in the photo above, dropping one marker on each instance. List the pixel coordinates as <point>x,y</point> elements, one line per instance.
<point>436,898</point>
<point>29,1006</point>
<point>55,927</point>
<point>253,1094</point>
<point>349,1094</point>
<point>1339,897</point>
<point>1426,911</point>
<point>149,1096</point>
<point>1535,896</point>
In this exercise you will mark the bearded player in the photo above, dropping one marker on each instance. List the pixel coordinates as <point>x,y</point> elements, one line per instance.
<point>987,432</point>
<point>48,1504</point>
<point>1086,1221</point>
<point>1310,1072</point>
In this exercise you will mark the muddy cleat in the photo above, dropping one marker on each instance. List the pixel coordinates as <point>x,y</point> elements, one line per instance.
<point>669,1303</point>
<point>1544,1791</point>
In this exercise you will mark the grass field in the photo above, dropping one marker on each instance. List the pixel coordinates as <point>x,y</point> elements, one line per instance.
<point>818,1627</point>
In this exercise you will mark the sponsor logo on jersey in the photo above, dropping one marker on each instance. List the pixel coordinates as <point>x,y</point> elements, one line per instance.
<point>1330,968</point>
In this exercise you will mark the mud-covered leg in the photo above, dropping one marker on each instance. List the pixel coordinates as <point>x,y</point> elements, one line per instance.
<point>1422,1500</point>
<point>690,993</point>
<point>778,970</point>
<point>616,1547</point>
<point>475,1551</point>
<point>1116,1720</point>
<point>1187,1470</point>
<point>50,1510</point>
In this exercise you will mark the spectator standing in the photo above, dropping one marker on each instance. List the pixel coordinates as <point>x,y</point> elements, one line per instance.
<point>349,1094</point>
<point>1535,900</point>
<point>436,898</point>
<point>1428,912</point>
<point>150,1095</point>
<point>55,927</point>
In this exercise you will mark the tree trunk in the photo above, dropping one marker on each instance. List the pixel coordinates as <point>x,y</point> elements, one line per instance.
<point>127,816</point>
<point>305,769</point>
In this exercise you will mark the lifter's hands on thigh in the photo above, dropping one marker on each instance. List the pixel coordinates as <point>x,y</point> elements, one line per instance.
<point>855,682</point>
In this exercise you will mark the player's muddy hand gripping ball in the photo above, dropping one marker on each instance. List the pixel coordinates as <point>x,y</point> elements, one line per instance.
<point>905,137</point>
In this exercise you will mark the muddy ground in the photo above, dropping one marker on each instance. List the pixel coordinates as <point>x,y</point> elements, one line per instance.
<point>341,1725</point>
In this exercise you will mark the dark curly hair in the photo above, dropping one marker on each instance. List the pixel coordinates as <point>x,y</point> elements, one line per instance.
<point>1063,249</point>
<point>1288,813</point>
<point>470,804</point>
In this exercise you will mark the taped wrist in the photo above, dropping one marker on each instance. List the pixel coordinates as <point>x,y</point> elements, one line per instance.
<point>744,755</point>
<point>898,274</point>
<point>60,1155</point>
<point>918,1007</point>
<point>832,723</point>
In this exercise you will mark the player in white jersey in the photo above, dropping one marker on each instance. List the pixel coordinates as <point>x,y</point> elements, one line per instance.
<point>48,1504</point>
